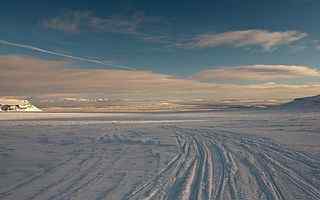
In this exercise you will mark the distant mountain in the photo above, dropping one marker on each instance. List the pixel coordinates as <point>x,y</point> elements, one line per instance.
<point>303,104</point>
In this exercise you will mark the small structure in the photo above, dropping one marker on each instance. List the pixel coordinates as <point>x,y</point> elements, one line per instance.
<point>10,107</point>
<point>17,106</point>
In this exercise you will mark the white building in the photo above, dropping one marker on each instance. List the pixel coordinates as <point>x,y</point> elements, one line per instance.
<point>12,105</point>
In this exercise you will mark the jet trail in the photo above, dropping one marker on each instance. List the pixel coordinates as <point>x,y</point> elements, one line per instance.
<point>4,42</point>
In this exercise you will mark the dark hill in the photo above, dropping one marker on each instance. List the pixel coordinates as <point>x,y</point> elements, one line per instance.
<point>303,104</point>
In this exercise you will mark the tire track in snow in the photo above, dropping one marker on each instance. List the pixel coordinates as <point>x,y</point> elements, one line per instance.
<point>210,164</point>
<point>213,168</point>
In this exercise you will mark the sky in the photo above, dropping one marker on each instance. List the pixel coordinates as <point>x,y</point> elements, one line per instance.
<point>160,50</point>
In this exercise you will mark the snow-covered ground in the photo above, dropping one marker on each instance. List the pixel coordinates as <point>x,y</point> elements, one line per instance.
<point>223,156</point>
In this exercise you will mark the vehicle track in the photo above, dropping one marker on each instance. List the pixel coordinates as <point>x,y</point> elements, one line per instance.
<point>209,164</point>
<point>226,165</point>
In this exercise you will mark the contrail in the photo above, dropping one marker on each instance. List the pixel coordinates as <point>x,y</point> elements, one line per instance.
<point>63,55</point>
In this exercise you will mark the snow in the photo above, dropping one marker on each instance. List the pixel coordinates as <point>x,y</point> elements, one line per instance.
<point>231,155</point>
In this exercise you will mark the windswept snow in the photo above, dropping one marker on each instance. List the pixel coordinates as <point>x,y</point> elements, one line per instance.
<point>270,156</point>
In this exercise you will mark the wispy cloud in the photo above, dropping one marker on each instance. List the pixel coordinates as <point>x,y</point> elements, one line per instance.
<point>264,38</point>
<point>75,21</point>
<point>45,51</point>
<point>151,29</point>
<point>257,73</point>
<point>71,21</point>
<point>316,44</point>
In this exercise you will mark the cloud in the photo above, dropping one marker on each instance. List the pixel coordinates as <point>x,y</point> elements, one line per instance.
<point>257,73</point>
<point>70,21</point>
<point>152,29</point>
<point>28,76</point>
<point>316,44</point>
<point>75,21</point>
<point>37,76</point>
<point>265,39</point>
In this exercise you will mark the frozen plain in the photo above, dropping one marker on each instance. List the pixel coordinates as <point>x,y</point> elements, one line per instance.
<point>218,155</point>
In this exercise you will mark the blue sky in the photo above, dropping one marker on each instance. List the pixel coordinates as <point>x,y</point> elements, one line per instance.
<point>184,39</point>
<point>167,23</point>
